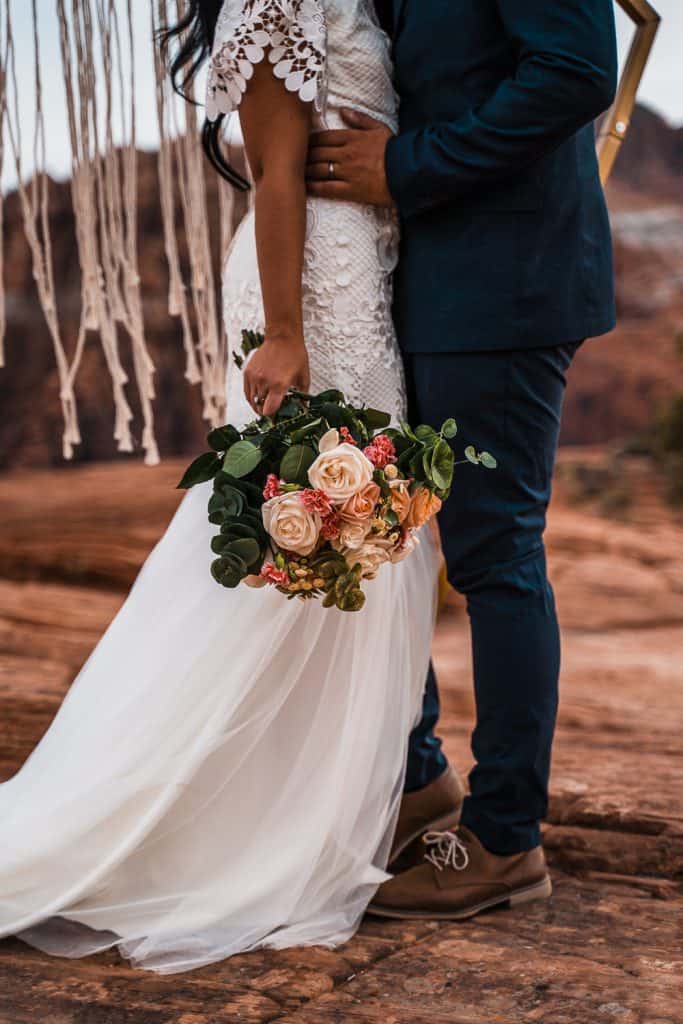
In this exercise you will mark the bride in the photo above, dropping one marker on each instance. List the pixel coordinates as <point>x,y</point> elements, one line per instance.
<point>225,772</point>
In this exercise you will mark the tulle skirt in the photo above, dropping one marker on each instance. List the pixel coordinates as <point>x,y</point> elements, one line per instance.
<point>225,771</point>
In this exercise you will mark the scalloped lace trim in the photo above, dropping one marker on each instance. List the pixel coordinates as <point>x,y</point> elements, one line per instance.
<point>294,34</point>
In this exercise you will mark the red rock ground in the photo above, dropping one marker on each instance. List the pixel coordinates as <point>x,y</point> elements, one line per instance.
<point>608,947</point>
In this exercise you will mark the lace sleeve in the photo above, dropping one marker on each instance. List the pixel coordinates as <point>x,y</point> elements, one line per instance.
<point>293,32</point>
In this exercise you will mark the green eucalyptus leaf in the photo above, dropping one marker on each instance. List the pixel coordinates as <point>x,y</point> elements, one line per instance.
<point>443,461</point>
<point>487,460</point>
<point>234,501</point>
<point>229,570</point>
<point>245,548</point>
<point>242,458</point>
<point>408,431</point>
<point>449,429</point>
<point>426,434</point>
<point>216,502</point>
<point>201,470</point>
<point>471,455</point>
<point>296,463</point>
<point>242,529</point>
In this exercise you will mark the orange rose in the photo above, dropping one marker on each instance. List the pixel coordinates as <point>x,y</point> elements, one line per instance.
<point>400,499</point>
<point>361,505</point>
<point>424,506</point>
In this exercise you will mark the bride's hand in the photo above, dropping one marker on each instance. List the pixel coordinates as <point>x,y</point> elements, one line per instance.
<point>278,365</point>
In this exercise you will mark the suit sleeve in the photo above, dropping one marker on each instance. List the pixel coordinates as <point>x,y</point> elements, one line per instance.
<point>565,77</point>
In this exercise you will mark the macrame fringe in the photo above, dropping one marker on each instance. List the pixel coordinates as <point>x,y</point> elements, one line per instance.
<point>98,51</point>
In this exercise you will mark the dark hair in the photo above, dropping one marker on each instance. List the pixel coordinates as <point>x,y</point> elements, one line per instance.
<point>194,34</point>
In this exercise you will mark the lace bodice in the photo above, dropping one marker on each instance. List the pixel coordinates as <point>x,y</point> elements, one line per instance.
<point>329,51</point>
<point>334,54</point>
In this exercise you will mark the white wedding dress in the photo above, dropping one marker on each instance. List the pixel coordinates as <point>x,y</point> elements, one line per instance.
<point>225,771</point>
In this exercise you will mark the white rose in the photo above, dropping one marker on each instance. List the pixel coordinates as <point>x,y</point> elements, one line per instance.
<point>370,556</point>
<point>340,471</point>
<point>352,536</point>
<point>290,524</point>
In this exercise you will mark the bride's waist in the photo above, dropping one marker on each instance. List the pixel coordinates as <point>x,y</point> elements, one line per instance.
<point>332,118</point>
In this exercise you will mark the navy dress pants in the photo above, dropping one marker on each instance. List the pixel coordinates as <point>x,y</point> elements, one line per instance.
<point>508,403</point>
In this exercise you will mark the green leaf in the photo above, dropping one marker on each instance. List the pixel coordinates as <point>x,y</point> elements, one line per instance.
<point>216,503</point>
<point>406,457</point>
<point>426,434</point>
<point>229,571</point>
<point>487,460</point>
<point>245,548</point>
<point>334,414</point>
<point>221,438</point>
<point>471,455</point>
<point>302,432</point>
<point>242,529</point>
<point>201,470</point>
<point>290,408</point>
<point>408,431</point>
<point>442,464</point>
<point>375,419</point>
<point>331,395</point>
<point>252,493</point>
<point>233,526</point>
<point>449,429</point>
<point>296,463</point>
<point>242,458</point>
<point>233,501</point>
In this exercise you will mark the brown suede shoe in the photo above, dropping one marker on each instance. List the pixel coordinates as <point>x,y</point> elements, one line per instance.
<point>458,878</point>
<point>437,806</point>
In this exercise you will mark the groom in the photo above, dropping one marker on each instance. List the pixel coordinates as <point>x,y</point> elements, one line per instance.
<point>505,268</point>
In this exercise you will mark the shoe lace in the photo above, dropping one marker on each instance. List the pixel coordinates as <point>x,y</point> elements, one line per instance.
<point>446,850</point>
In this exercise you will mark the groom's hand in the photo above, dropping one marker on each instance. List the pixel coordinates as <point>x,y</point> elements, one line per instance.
<point>348,163</point>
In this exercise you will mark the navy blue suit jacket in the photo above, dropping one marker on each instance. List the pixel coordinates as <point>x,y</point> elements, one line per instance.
<point>505,235</point>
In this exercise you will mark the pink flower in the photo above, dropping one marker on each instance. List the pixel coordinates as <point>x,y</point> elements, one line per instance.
<point>278,577</point>
<point>273,487</point>
<point>331,527</point>
<point>316,501</point>
<point>347,436</point>
<point>381,451</point>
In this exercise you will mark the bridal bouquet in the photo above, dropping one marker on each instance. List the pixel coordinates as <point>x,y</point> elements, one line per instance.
<point>314,500</point>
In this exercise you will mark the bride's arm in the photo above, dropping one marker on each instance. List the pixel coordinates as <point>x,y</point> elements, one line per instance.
<point>276,125</point>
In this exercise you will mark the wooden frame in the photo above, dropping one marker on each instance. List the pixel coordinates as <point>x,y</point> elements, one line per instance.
<point>616,122</point>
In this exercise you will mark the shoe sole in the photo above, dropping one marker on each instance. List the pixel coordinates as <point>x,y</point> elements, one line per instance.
<point>540,891</point>
<point>447,821</point>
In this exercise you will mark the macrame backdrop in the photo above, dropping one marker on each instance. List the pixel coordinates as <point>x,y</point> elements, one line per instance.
<point>98,47</point>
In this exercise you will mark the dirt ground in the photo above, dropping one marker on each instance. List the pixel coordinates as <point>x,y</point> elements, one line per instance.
<point>607,948</point>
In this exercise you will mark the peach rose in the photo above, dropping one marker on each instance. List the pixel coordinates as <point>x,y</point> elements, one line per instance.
<point>340,469</point>
<point>424,505</point>
<point>290,524</point>
<point>400,499</point>
<point>408,545</point>
<point>352,536</point>
<point>360,505</point>
<point>370,556</point>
